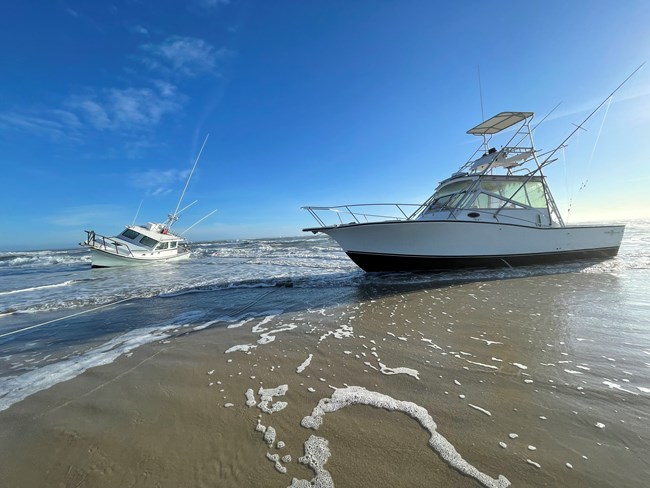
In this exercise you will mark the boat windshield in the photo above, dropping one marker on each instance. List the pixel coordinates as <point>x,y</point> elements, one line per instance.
<point>494,193</point>
<point>148,242</point>
<point>449,195</point>
<point>130,234</point>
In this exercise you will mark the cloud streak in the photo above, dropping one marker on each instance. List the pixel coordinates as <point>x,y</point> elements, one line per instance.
<point>84,215</point>
<point>125,109</point>
<point>55,124</point>
<point>209,4</point>
<point>158,183</point>
<point>183,56</point>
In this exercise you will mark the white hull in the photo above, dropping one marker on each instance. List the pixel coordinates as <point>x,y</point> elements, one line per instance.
<point>430,245</point>
<point>103,259</point>
<point>496,210</point>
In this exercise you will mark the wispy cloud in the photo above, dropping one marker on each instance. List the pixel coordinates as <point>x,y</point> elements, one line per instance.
<point>212,3</point>
<point>158,183</point>
<point>187,56</point>
<point>55,124</point>
<point>138,108</point>
<point>634,92</point>
<point>138,29</point>
<point>86,215</point>
<point>128,108</point>
<point>105,109</point>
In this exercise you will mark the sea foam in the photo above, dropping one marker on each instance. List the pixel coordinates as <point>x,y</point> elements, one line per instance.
<point>356,395</point>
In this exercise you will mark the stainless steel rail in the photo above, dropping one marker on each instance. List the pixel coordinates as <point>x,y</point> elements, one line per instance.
<point>361,216</point>
<point>99,241</point>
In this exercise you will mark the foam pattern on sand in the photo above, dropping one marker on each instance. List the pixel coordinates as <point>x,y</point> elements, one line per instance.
<point>356,395</point>
<point>266,397</point>
<point>305,363</point>
<point>316,455</point>
<point>399,370</point>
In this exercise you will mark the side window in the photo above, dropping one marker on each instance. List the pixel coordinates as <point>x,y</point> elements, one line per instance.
<point>172,245</point>
<point>148,241</point>
<point>162,245</point>
<point>130,234</point>
<point>536,195</point>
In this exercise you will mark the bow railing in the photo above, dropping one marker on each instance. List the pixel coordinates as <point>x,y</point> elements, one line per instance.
<point>104,243</point>
<point>362,213</point>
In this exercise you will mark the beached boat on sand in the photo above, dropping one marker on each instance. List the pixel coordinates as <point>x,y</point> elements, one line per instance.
<point>495,211</point>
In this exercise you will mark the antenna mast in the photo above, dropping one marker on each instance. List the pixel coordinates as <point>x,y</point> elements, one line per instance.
<point>480,92</point>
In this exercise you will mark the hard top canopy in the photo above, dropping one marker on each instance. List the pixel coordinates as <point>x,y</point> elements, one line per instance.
<point>499,122</point>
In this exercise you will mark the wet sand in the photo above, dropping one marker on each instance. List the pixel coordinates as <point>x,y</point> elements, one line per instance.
<point>485,360</point>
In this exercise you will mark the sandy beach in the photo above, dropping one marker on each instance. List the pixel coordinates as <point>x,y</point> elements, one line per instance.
<point>504,375</point>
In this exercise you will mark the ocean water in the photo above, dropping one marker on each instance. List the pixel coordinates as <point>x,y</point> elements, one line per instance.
<point>577,335</point>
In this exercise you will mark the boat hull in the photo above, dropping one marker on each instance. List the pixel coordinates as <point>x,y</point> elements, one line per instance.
<point>103,259</point>
<point>444,245</point>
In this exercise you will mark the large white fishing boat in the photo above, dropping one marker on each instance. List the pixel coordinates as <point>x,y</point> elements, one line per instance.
<point>143,244</point>
<point>495,211</point>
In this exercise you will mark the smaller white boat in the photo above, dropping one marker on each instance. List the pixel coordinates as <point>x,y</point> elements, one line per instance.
<point>143,244</point>
<point>136,245</point>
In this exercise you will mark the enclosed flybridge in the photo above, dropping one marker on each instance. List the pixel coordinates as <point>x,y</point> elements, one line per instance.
<point>495,211</point>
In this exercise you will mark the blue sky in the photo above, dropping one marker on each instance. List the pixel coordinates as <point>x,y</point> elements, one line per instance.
<point>104,105</point>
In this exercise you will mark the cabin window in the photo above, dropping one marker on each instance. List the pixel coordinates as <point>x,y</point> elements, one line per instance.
<point>162,245</point>
<point>454,187</point>
<point>496,193</point>
<point>449,196</point>
<point>535,194</point>
<point>488,200</point>
<point>148,242</point>
<point>130,234</point>
<point>172,245</point>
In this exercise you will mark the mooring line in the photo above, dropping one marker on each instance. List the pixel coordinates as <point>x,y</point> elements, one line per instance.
<point>24,329</point>
<point>254,301</point>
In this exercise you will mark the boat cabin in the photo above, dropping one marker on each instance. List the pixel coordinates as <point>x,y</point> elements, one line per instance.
<point>501,197</point>
<point>152,237</point>
<point>495,185</point>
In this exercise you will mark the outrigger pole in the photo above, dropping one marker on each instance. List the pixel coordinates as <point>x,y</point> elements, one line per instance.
<point>198,221</point>
<point>549,159</point>
<point>579,126</point>
<point>174,217</point>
